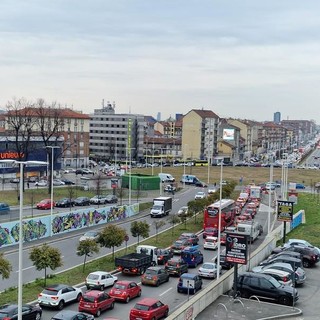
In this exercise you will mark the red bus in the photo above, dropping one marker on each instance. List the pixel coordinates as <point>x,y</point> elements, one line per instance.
<point>211,214</point>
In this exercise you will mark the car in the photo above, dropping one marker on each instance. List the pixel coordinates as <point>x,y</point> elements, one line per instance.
<point>15,180</point>
<point>200,184</point>
<point>68,182</point>
<point>266,287</point>
<point>179,245</point>
<point>90,235</point>
<point>65,202</point>
<point>72,315</point>
<point>58,295</point>
<point>183,211</point>
<point>189,283</point>
<point>155,276</point>
<point>164,255</point>
<point>210,243</point>
<point>223,262</point>
<point>125,290</point>
<point>45,204</point>
<point>58,182</point>
<point>69,170</point>
<point>212,189</point>
<point>82,201</point>
<point>98,199</point>
<point>209,232</point>
<point>149,309</point>
<point>192,238</point>
<point>176,267</point>
<point>295,263</point>
<point>209,270</point>
<point>87,171</point>
<point>95,301</point>
<point>169,188</point>
<point>29,312</point>
<point>100,280</point>
<point>200,195</point>
<point>111,198</point>
<point>4,208</point>
<point>41,183</point>
<point>283,277</point>
<point>301,242</point>
<point>300,186</point>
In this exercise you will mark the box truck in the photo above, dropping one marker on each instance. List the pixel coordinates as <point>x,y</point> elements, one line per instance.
<point>161,207</point>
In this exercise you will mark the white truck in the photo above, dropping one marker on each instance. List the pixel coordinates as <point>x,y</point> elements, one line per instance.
<point>249,228</point>
<point>255,193</point>
<point>161,207</point>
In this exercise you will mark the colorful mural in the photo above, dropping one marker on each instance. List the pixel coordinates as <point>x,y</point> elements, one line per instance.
<point>38,228</point>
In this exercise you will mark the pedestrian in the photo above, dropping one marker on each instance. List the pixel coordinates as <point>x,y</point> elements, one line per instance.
<point>28,184</point>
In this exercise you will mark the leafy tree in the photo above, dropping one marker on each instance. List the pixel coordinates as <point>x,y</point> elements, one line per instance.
<point>44,257</point>
<point>158,225</point>
<point>86,248</point>
<point>5,267</point>
<point>140,228</point>
<point>112,236</point>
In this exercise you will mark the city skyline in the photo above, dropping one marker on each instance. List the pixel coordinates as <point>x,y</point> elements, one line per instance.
<point>239,59</point>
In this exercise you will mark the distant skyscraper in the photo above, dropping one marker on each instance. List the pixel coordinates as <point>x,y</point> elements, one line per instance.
<point>159,116</point>
<point>277,117</point>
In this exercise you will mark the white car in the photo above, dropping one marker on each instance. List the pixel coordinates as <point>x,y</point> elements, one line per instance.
<point>100,280</point>
<point>58,182</point>
<point>58,295</point>
<point>209,270</point>
<point>281,276</point>
<point>99,199</point>
<point>210,243</point>
<point>199,195</point>
<point>90,235</point>
<point>41,183</point>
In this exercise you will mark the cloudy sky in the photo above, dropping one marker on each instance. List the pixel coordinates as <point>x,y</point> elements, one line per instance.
<point>238,58</point>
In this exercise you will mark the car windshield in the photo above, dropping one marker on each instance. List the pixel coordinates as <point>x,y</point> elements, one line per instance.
<point>173,263</point>
<point>208,266</point>
<point>90,234</point>
<point>119,286</point>
<point>141,307</point>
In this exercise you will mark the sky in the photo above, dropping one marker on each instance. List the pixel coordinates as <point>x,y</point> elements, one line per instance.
<point>239,58</point>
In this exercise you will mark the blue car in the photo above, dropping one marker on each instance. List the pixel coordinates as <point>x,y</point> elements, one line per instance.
<point>4,208</point>
<point>189,283</point>
<point>300,186</point>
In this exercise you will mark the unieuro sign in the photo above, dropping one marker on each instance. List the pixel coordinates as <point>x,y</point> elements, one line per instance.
<point>11,155</point>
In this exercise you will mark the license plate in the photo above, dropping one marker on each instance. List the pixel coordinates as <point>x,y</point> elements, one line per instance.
<point>117,292</point>
<point>149,278</point>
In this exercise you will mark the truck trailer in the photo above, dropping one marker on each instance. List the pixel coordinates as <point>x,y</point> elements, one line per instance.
<point>161,207</point>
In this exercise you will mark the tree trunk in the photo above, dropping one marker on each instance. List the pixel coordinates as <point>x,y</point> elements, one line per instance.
<point>84,262</point>
<point>45,276</point>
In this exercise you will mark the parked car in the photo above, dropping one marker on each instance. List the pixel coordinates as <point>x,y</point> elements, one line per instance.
<point>30,312</point>
<point>295,263</point>
<point>305,243</point>
<point>169,188</point>
<point>189,283</point>
<point>90,235</point>
<point>87,171</point>
<point>199,195</point>
<point>100,280</point>
<point>111,198</point>
<point>300,186</point>
<point>68,182</point>
<point>15,180</point>
<point>209,270</point>
<point>4,208</point>
<point>125,290</point>
<point>283,277</point>
<point>95,301</point>
<point>58,182</point>
<point>212,189</point>
<point>176,267</point>
<point>46,204</point>
<point>58,295</point>
<point>149,309</point>
<point>155,276</point>
<point>72,315</point>
<point>265,287</point>
<point>98,199</point>
<point>41,183</point>
<point>192,238</point>
<point>82,201</point>
<point>65,202</point>
<point>164,255</point>
<point>183,211</point>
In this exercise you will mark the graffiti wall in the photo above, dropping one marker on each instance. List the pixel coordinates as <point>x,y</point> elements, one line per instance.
<point>39,228</point>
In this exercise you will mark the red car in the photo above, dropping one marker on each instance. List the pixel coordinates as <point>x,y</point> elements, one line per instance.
<point>125,290</point>
<point>149,309</point>
<point>45,204</point>
<point>95,301</point>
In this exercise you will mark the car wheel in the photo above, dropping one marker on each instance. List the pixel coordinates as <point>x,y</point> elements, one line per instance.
<point>166,313</point>
<point>79,297</point>
<point>102,287</point>
<point>287,301</point>
<point>88,287</point>
<point>306,263</point>
<point>127,299</point>
<point>167,280</point>
<point>112,306</point>
<point>98,313</point>
<point>38,316</point>
<point>245,294</point>
<point>158,283</point>
<point>61,305</point>
<point>139,293</point>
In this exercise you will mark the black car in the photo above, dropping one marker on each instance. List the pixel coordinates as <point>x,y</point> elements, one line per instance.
<point>223,262</point>
<point>68,182</point>
<point>82,201</point>
<point>164,255</point>
<point>29,312</point>
<point>65,203</point>
<point>176,267</point>
<point>111,199</point>
<point>72,315</point>
<point>265,287</point>
<point>295,263</point>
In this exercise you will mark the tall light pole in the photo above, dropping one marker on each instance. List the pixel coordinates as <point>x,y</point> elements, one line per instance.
<point>129,150</point>
<point>20,266</point>
<point>184,166</point>
<point>269,204</point>
<point>51,181</point>
<point>219,221</point>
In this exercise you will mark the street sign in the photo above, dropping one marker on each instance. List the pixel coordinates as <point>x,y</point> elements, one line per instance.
<point>126,238</point>
<point>285,211</point>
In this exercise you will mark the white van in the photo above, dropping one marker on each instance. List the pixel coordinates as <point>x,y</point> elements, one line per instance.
<point>249,228</point>
<point>166,177</point>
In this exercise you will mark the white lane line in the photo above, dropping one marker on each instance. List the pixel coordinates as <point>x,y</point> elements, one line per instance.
<point>165,292</point>
<point>26,268</point>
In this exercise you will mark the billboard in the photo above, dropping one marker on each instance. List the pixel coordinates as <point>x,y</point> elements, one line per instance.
<point>228,134</point>
<point>236,248</point>
<point>285,211</point>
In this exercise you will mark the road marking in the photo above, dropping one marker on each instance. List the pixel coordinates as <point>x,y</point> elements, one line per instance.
<point>165,292</point>
<point>26,268</point>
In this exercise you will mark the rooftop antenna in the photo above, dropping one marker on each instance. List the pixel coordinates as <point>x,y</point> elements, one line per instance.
<point>129,109</point>
<point>102,103</point>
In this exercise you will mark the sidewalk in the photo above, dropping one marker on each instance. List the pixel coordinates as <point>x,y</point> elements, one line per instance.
<point>246,309</point>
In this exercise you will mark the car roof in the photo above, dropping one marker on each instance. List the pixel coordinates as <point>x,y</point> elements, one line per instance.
<point>147,301</point>
<point>275,271</point>
<point>93,293</point>
<point>57,287</point>
<point>124,282</point>
<point>99,272</point>
<point>154,268</point>
<point>255,274</point>
<point>188,275</point>
<point>65,314</point>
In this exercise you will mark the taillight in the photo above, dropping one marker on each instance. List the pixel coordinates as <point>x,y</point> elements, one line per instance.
<point>154,278</point>
<point>178,265</point>
<point>161,257</point>
<point>95,303</point>
<point>54,298</point>
<point>285,279</point>
<point>39,295</point>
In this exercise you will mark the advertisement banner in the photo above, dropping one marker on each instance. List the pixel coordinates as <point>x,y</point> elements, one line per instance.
<point>228,134</point>
<point>236,248</point>
<point>285,210</point>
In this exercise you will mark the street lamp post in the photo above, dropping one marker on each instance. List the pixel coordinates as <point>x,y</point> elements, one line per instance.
<point>51,181</point>
<point>219,220</point>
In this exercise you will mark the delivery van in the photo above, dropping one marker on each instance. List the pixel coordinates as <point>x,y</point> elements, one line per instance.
<point>166,177</point>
